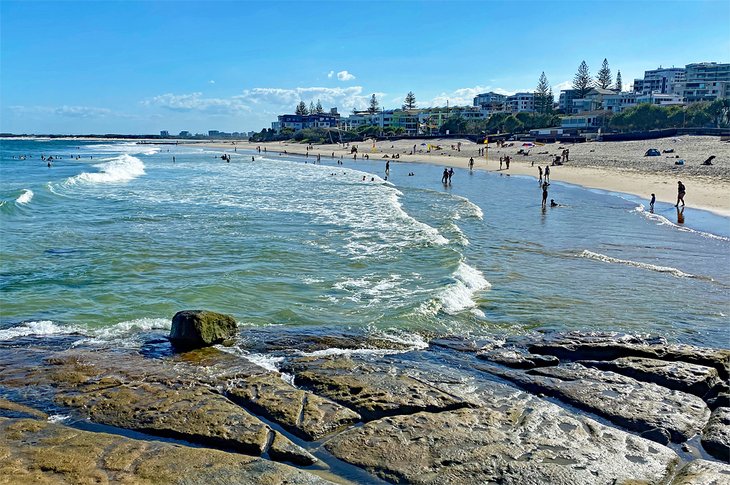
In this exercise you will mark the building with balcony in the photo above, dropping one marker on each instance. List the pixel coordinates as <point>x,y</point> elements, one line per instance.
<point>659,80</point>
<point>521,102</point>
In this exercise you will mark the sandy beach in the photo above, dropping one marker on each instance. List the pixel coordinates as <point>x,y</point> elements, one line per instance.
<point>611,166</point>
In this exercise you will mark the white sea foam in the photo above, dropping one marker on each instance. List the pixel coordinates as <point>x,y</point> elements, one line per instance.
<point>458,296</point>
<point>268,362</point>
<point>652,267</point>
<point>37,328</point>
<point>131,327</point>
<point>58,418</point>
<point>25,197</point>
<point>369,288</point>
<point>130,148</point>
<point>468,208</point>
<point>121,332</point>
<point>119,169</point>
<point>663,221</point>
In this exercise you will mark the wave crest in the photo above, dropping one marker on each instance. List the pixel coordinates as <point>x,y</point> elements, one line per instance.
<point>25,197</point>
<point>652,267</point>
<point>119,169</point>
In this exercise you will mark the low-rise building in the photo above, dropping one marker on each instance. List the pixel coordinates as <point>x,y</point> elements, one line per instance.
<point>590,121</point>
<point>490,101</point>
<point>300,122</point>
<point>565,100</point>
<point>521,102</point>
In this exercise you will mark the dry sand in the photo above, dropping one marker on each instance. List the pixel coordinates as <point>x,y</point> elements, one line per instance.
<point>611,166</point>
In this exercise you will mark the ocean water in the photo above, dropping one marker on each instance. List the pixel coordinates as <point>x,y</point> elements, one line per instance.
<point>114,238</point>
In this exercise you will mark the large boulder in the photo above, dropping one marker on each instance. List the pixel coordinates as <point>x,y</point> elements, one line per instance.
<point>192,329</point>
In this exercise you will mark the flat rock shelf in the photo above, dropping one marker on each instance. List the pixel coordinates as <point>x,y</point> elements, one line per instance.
<point>560,409</point>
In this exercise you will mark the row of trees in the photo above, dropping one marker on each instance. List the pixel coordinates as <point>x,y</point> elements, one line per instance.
<point>652,117</point>
<point>643,117</point>
<point>301,108</point>
<point>584,82</point>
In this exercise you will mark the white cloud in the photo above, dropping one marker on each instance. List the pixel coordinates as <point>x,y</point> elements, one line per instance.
<point>330,74</point>
<point>65,110</point>
<point>563,85</point>
<point>196,102</point>
<point>345,76</point>
<point>211,81</point>
<point>465,96</point>
<point>285,99</point>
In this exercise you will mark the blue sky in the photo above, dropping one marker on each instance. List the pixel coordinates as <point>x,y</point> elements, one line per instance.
<point>142,67</point>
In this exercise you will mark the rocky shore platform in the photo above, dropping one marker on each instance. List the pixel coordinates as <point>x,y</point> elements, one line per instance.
<point>346,408</point>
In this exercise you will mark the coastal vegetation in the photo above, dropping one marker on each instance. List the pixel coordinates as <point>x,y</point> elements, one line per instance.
<point>715,114</point>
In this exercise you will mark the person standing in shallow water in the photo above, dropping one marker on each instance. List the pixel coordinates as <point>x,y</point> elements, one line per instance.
<point>680,193</point>
<point>445,176</point>
<point>651,203</point>
<point>451,174</point>
<point>545,186</point>
<point>539,171</point>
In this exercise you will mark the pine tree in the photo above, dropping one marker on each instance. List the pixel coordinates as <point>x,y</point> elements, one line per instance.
<point>312,109</point>
<point>301,109</point>
<point>410,101</point>
<point>619,86</point>
<point>603,78</point>
<point>542,103</point>
<point>550,101</point>
<point>582,81</point>
<point>318,109</point>
<point>373,105</point>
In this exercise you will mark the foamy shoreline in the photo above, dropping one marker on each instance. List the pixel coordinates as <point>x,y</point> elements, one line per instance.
<point>610,166</point>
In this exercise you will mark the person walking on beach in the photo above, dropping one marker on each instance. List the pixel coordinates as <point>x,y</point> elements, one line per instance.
<point>471,163</point>
<point>651,203</point>
<point>501,159</point>
<point>539,171</point>
<point>680,193</point>
<point>506,161</point>
<point>547,173</point>
<point>445,176</point>
<point>545,186</point>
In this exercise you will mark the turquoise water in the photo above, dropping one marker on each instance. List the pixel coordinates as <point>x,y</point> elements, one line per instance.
<point>116,244</point>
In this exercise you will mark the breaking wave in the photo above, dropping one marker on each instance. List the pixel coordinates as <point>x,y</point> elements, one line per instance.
<point>119,169</point>
<point>25,197</point>
<point>652,267</point>
<point>663,221</point>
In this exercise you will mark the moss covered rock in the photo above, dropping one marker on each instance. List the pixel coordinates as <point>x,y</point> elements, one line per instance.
<point>201,328</point>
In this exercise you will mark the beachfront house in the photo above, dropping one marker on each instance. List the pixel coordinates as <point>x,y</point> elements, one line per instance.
<point>589,121</point>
